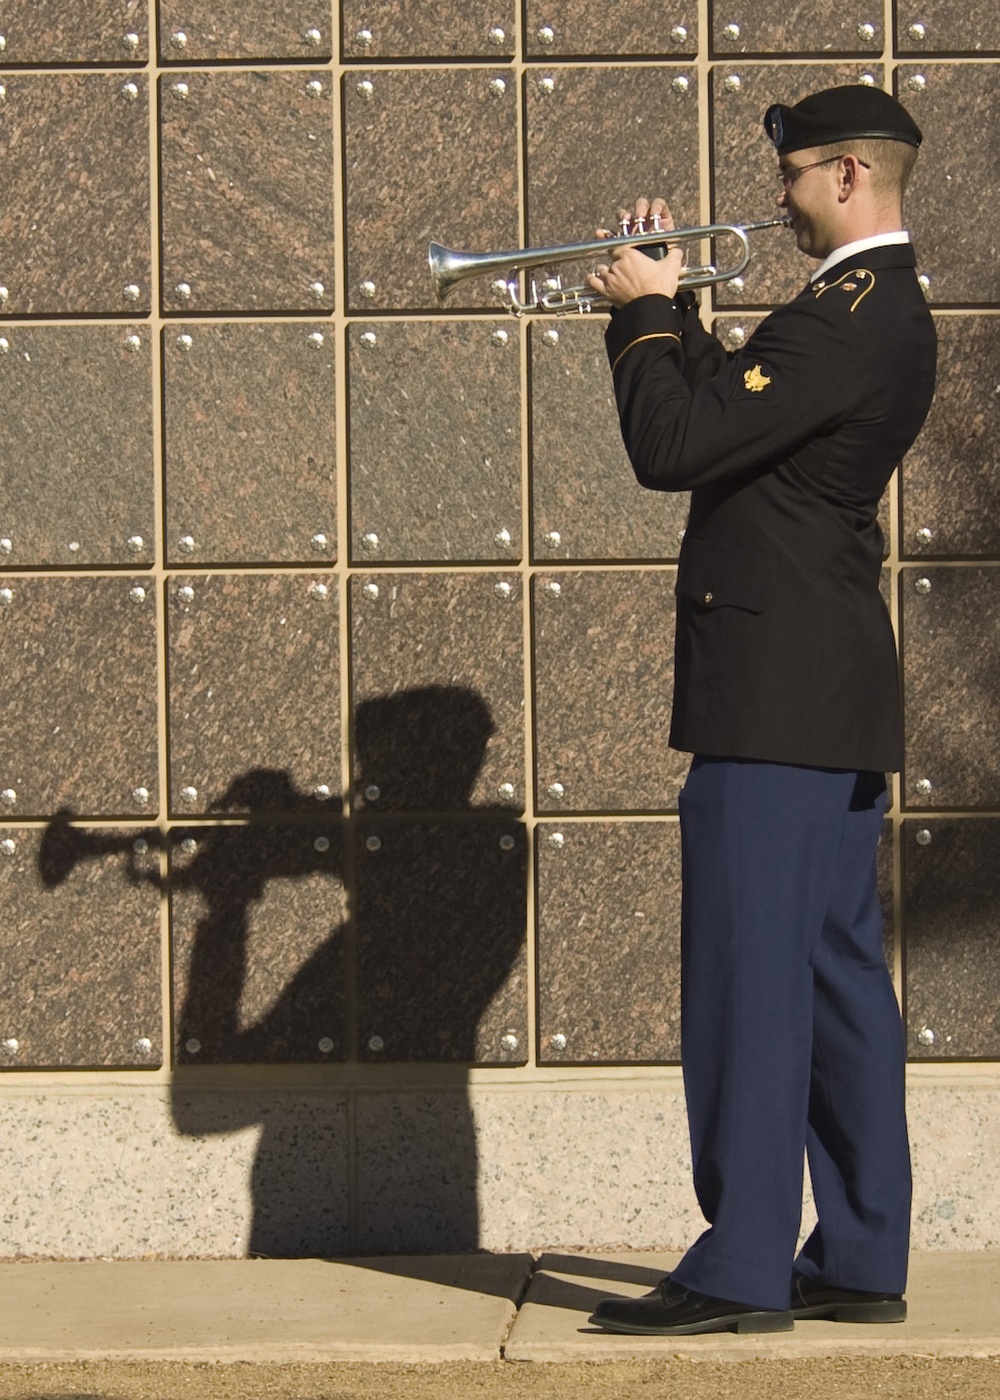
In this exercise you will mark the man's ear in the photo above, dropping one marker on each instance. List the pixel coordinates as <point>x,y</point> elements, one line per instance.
<point>850,172</point>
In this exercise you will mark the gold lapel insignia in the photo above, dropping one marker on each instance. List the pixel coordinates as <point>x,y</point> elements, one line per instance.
<point>755,380</point>
<point>849,286</point>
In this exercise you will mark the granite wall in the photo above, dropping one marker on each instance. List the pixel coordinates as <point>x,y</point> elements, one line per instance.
<point>338,844</point>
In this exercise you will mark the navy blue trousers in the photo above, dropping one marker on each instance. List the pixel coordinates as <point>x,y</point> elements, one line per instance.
<point>792,1042</point>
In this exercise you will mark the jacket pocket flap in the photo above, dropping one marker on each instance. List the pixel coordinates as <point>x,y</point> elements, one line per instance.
<point>722,575</point>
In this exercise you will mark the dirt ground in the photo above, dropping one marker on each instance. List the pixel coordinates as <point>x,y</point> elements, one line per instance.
<point>841,1378</point>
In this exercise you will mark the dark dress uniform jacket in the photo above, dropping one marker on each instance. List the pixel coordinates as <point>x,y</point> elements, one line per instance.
<point>784,647</point>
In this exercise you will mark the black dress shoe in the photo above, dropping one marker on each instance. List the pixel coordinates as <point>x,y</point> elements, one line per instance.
<point>673,1311</point>
<point>811,1298</point>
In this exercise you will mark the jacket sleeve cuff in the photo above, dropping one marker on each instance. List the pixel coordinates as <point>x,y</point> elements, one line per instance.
<point>645,318</point>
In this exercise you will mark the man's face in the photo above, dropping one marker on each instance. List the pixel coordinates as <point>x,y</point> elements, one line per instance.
<point>809,197</point>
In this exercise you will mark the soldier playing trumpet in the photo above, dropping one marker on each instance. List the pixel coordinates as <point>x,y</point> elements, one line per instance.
<point>786,695</point>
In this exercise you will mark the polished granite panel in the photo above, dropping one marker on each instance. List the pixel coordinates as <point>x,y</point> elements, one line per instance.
<point>80,954</point>
<point>78,696</point>
<point>250,442</point>
<point>76,446</point>
<point>951,902</point>
<point>955,185</point>
<point>945,26</point>
<point>950,481</point>
<point>885,862</point>
<point>374,29</point>
<point>595,143</point>
<point>247,191</point>
<point>745,165</point>
<point>258,925</point>
<point>435,414</point>
<point>603,645</point>
<point>820,27</point>
<point>437,692</point>
<point>193,30</point>
<point>74,218</point>
<point>429,154</point>
<point>254,693</point>
<point>566,28</point>
<point>951,681</point>
<point>609,911</point>
<point>97,31</point>
<point>441,916</point>
<point>585,500</point>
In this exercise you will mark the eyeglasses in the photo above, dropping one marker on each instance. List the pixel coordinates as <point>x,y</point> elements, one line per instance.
<point>786,178</point>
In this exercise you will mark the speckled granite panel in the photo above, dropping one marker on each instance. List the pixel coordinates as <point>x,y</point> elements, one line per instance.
<point>80,956</point>
<point>820,27</point>
<point>609,942</point>
<point>429,154</point>
<point>586,502</point>
<point>194,1173</point>
<point>956,182</point>
<point>603,648</point>
<point>257,921</point>
<point>951,679</point>
<point>254,684</point>
<point>745,167</point>
<point>98,31</point>
<point>76,444</point>
<point>954,1140</point>
<point>950,482</point>
<point>250,443</point>
<point>193,30</point>
<point>516,1169</point>
<point>247,191</point>
<point>78,696</point>
<point>435,441</point>
<point>417,1156</point>
<point>951,908</point>
<point>942,26</point>
<point>437,692</point>
<point>210,1173</point>
<point>566,28</point>
<point>595,143</point>
<point>441,914</point>
<point>373,29</point>
<point>74,225</point>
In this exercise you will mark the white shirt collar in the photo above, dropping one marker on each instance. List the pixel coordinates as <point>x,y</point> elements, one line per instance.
<point>860,245</point>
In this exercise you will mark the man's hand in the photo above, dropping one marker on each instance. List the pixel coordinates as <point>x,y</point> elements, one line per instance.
<point>631,273</point>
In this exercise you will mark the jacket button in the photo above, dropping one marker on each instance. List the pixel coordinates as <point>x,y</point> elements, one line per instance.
<point>709,597</point>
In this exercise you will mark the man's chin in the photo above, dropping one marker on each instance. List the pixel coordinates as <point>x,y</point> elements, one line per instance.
<point>803,241</point>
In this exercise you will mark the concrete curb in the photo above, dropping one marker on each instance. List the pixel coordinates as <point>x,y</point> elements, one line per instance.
<point>433,1309</point>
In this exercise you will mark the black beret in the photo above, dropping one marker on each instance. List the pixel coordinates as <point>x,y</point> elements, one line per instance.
<point>840,114</point>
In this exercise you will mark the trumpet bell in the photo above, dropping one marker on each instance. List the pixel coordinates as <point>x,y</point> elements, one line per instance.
<point>448,266</point>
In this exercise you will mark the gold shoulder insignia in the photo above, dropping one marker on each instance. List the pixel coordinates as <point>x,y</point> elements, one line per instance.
<point>755,379</point>
<point>863,279</point>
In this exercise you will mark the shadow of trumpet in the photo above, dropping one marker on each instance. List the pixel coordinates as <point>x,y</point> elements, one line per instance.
<point>64,847</point>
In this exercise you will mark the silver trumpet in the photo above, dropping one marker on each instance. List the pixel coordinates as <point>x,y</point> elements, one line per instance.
<point>449,266</point>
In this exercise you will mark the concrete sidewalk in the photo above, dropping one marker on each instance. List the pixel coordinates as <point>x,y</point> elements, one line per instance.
<point>434,1309</point>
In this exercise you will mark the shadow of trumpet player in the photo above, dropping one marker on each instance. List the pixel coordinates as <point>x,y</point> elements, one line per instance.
<point>262,966</point>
